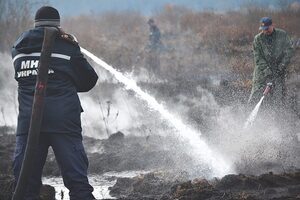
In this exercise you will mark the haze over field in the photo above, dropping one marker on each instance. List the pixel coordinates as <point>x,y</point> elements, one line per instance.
<point>198,94</point>
<point>149,7</point>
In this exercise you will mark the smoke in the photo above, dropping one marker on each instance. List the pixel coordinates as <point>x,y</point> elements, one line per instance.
<point>8,90</point>
<point>115,111</point>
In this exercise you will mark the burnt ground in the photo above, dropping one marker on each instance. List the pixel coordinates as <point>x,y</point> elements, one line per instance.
<point>234,187</point>
<point>119,153</point>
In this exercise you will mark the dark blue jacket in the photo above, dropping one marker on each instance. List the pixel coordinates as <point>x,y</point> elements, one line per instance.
<point>69,73</point>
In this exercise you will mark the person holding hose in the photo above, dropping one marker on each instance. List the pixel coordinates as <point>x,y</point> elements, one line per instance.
<point>68,74</point>
<point>272,49</point>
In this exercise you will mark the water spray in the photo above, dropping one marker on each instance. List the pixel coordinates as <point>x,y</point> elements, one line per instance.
<point>254,112</point>
<point>200,151</point>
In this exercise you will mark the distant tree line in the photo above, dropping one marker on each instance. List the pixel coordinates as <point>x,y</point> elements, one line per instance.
<point>197,42</point>
<point>15,17</point>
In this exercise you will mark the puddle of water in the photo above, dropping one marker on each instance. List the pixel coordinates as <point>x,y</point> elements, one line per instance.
<point>101,183</point>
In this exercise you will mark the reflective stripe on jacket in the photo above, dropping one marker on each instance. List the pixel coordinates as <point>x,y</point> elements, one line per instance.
<point>69,73</point>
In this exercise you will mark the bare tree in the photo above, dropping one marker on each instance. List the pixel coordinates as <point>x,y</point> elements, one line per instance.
<point>284,4</point>
<point>15,17</point>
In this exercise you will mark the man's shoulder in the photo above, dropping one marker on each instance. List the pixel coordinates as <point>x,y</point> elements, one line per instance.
<point>33,32</point>
<point>281,31</point>
<point>35,36</point>
<point>258,37</point>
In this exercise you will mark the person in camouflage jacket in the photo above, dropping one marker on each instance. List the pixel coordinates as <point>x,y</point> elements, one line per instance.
<point>272,53</point>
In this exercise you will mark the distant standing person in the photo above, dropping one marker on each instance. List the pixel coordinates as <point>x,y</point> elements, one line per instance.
<point>272,49</point>
<point>154,35</point>
<point>68,74</point>
<point>153,48</point>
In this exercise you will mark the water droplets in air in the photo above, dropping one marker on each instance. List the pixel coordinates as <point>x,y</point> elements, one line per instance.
<point>199,150</point>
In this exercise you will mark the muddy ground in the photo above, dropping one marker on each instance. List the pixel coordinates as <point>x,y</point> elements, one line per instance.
<point>119,153</point>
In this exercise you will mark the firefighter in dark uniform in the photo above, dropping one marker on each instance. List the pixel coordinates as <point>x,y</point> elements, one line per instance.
<point>69,73</point>
<point>154,35</point>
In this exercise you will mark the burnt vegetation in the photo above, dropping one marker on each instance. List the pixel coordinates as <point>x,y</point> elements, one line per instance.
<point>196,42</point>
<point>200,48</point>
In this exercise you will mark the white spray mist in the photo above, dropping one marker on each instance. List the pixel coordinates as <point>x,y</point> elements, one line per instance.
<point>199,149</point>
<point>8,91</point>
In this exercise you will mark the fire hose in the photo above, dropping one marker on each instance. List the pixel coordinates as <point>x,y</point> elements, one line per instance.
<point>37,113</point>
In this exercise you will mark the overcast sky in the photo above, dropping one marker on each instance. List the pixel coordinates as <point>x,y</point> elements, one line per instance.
<point>148,7</point>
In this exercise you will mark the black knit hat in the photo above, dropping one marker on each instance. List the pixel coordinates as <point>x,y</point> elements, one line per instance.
<point>47,16</point>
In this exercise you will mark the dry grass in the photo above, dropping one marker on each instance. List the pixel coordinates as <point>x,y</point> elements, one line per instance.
<point>196,42</point>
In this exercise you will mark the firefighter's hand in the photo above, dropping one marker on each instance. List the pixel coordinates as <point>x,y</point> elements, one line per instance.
<point>68,37</point>
<point>269,79</point>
